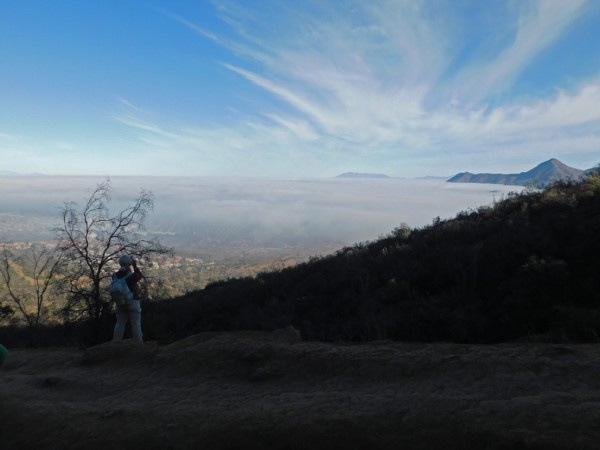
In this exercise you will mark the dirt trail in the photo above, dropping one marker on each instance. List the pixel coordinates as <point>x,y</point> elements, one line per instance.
<point>271,390</point>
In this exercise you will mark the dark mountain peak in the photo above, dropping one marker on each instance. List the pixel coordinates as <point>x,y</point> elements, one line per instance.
<point>553,170</point>
<point>554,164</point>
<point>542,174</point>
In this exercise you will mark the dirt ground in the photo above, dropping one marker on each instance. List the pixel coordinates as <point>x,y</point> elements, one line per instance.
<point>246,390</point>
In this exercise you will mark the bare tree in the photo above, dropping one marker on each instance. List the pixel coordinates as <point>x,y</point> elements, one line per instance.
<point>38,269</point>
<point>90,239</point>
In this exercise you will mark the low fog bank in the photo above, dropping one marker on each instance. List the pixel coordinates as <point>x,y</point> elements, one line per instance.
<point>237,212</point>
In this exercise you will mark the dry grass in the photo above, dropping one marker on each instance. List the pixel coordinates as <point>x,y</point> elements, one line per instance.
<point>271,390</point>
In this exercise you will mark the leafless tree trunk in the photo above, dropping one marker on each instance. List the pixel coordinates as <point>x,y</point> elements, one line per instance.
<point>90,239</point>
<point>40,268</point>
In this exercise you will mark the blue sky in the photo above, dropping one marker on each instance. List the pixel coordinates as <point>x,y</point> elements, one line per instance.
<point>297,88</point>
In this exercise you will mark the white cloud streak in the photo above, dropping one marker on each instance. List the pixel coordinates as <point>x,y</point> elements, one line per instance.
<point>367,83</point>
<point>539,24</point>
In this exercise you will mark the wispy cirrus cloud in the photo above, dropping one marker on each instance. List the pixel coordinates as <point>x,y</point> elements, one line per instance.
<point>538,24</point>
<point>378,84</point>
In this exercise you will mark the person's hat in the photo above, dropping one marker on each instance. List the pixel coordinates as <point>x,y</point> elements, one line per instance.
<point>125,261</point>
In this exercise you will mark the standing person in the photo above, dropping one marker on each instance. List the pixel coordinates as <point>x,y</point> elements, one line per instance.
<point>132,312</point>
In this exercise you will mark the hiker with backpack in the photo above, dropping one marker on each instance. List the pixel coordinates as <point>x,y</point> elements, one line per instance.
<point>125,292</point>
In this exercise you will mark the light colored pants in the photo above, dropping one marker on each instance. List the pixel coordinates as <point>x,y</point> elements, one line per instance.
<point>134,315</point>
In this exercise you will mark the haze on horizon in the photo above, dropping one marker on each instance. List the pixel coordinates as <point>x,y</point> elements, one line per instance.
<point>226,213</point>
<point>280,88</point>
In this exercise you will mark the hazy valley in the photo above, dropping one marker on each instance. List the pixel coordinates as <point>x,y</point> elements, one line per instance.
<point>233,227</point>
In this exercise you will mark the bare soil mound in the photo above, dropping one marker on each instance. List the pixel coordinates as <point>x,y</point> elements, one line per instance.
<point>244,390</point>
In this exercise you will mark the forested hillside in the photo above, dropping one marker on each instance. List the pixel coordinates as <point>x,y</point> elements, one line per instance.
<point>525,268</point>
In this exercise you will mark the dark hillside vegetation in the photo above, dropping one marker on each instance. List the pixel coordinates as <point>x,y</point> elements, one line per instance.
<point>525,268</point>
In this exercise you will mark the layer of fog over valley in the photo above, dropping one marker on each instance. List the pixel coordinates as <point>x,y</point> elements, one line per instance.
<point>213,215</point>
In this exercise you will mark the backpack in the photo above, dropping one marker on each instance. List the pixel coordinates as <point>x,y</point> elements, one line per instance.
<point>120,292</point>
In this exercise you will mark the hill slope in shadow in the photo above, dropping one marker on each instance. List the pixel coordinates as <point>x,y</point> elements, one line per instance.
<point>525,268</point>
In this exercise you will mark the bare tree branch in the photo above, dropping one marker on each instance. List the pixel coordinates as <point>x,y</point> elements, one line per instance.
<point>41,267</point>
<point>91,238</point>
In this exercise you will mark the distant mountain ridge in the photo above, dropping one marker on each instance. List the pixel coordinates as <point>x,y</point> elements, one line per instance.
<point>541,175</point>
<point>9,173</point>
<point>362,175</point>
